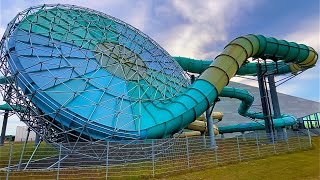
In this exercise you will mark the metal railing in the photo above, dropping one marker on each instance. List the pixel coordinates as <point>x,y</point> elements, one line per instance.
<point>147,158</point>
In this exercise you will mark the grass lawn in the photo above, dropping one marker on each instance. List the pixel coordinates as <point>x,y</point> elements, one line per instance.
<point>43,151</point>
<point>294,165</point>
<point>297,165</point>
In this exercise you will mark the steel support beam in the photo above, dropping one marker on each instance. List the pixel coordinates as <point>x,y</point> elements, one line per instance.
<point>275,105</point>
<point>23,149</point>
<point>274,97</point>
<point>264,101</point>
<point>210,128</point>
<point>4,127</point>
<point>37,140</point>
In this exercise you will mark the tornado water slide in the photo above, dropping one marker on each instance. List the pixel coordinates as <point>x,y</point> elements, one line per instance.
<point>200,125</point>
<point>92,76</point>
<point>280,51</point>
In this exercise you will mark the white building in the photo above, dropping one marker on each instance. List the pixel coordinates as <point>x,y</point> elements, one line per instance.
<point>21,134</point>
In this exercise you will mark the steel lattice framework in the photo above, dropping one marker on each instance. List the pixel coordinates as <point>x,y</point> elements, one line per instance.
<point>78,75</point>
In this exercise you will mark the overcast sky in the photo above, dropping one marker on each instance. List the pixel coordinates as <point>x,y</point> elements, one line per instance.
<point>201,28</point>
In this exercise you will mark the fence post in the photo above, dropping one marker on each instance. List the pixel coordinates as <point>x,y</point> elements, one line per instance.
<point>153,163</point>
<point>9,163</point>
<point>107,160</point>
<point>299,140</point>
<point>310,140</point>
<point>287,141</point>
<point>257,142</point>
<point>243,136</point>
<point>204,140</point>
<point>285,134</point>
<point>222,136</point>
<point>58,173</point>
<point>188,155</point>
<point>274,145</point>
<point>216,154</point>
<point>239,153</point>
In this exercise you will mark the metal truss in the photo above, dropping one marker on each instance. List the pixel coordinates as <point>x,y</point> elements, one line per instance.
<point>160,83</point>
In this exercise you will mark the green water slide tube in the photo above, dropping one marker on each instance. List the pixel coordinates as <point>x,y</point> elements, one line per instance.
<point>6,107</point>
<point>246,102</point>
<point>291,57</point>
<point>249,68</point>
<point>177,113</point>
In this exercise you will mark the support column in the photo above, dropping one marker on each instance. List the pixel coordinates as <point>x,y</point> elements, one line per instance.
<point>192,78</point>
<point>275,105</point>
<point>37,140</point>
<point>209,122</point>
<point>5,119</point>
<point>243,136</point>
<point>264,101</point>
<point>4,127</point>
<point>285,134</point>
<point>210,128</point>
<point>274,97</point>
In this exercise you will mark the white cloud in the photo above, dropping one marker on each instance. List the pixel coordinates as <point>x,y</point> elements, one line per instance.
<point>132,12</point>
<point>204,23</point>
<point>307,33</point>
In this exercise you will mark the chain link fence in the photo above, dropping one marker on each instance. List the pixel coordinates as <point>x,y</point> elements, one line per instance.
<point>149,158</point>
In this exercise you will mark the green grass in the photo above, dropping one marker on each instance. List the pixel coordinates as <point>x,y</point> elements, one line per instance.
<point>294,165</point>
<point>44,150</point>
<point>297,165</point>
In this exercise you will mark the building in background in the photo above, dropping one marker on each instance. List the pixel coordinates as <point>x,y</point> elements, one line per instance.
<point>21,134</point>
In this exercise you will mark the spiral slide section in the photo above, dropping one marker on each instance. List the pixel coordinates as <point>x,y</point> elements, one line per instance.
<point>199,126</point>
<point>280,67</point>
<point>246,101</point>
<point>211,82</point>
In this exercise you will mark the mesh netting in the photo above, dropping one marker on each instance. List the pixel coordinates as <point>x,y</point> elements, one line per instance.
<point>80,75</point>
